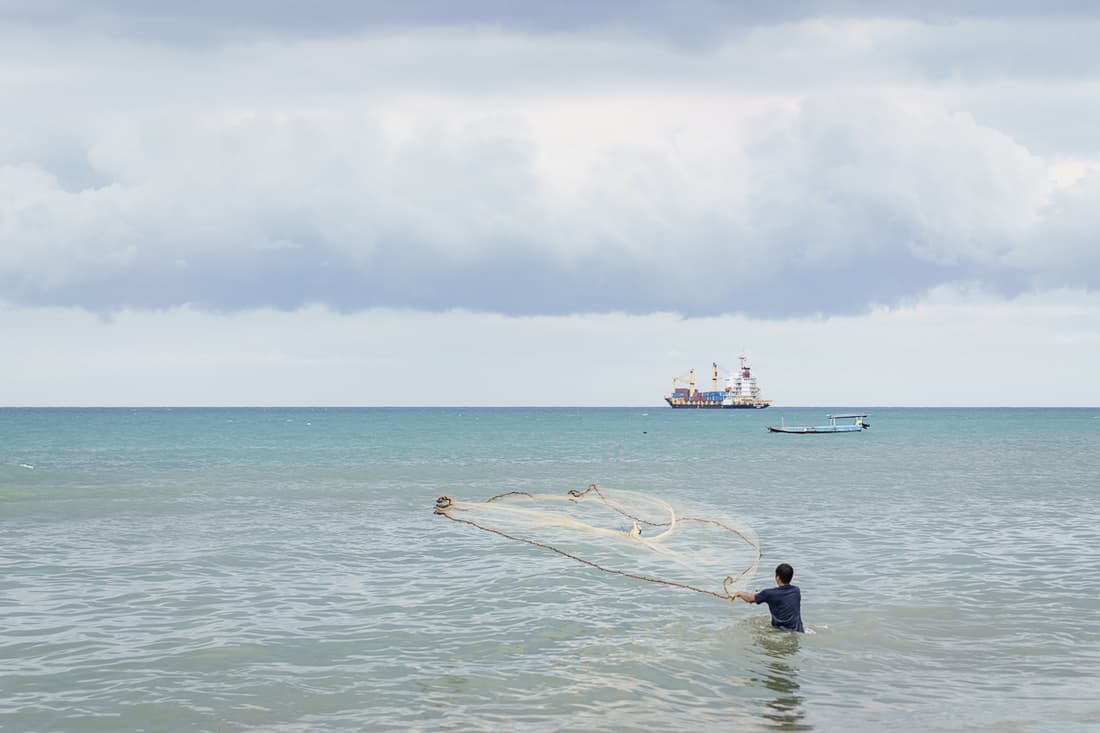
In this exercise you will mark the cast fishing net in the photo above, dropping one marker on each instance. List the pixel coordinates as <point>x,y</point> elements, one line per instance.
<point>623,532</point>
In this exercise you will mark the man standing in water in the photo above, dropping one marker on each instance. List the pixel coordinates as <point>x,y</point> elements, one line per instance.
<point>784,600</point>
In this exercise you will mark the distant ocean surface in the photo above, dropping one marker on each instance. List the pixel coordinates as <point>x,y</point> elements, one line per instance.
<point>282,570</point>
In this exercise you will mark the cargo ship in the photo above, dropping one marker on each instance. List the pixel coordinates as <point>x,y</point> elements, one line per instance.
<point>740,392</point>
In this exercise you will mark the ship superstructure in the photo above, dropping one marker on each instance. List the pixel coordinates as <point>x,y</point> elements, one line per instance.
<point>740,390</point>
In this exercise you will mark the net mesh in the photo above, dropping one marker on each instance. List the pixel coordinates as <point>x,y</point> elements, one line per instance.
<point>627,533</point>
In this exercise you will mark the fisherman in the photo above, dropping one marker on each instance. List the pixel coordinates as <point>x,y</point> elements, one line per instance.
<point>784,600</point>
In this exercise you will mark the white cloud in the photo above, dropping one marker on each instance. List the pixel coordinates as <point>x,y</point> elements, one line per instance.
<point>362,203</point>
<point>660,182</point>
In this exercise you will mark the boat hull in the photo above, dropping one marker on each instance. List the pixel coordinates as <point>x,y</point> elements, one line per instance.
<point>816,430</point>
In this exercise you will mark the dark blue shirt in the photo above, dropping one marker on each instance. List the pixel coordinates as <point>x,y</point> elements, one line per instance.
<point>785,603</point>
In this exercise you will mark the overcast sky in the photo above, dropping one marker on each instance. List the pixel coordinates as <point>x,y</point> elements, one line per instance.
<point>502,203</point>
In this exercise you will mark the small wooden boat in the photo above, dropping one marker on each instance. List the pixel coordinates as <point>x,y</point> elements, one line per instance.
<point>856,426</point>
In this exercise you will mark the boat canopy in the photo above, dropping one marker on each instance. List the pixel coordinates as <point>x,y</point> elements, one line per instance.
<point>843,417</point>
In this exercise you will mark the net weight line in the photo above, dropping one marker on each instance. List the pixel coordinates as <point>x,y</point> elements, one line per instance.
<point>444,504</point>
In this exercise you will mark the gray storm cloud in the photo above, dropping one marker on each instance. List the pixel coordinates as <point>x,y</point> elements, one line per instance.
<point>685,20</point>
<point>272,174</point>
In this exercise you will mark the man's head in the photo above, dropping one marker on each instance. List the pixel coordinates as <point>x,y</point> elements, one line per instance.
<point>784,573</point>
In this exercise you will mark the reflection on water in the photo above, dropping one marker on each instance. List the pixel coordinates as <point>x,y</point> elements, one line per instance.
<point>784,710</point>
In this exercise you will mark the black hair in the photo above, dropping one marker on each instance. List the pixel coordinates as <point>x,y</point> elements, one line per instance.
<point>784,572</point>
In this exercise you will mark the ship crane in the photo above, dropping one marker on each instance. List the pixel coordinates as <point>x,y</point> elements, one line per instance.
<point>688,379</point>
<point>718,372</point>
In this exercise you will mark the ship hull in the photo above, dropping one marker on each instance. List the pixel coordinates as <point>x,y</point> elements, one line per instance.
<point>713,405</point>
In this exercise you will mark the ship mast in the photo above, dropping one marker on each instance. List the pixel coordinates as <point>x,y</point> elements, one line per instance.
<point>746,383</point>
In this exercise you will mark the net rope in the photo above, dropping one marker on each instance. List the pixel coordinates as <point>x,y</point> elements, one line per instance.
<point>451,508</point>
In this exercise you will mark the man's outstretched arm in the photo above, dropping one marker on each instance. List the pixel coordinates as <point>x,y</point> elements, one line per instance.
<point>746,597</point>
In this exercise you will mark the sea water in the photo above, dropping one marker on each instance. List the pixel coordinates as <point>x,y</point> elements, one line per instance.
<point>282,570</point>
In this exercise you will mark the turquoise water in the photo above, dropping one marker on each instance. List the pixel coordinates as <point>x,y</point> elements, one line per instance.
<point>282,570</point>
